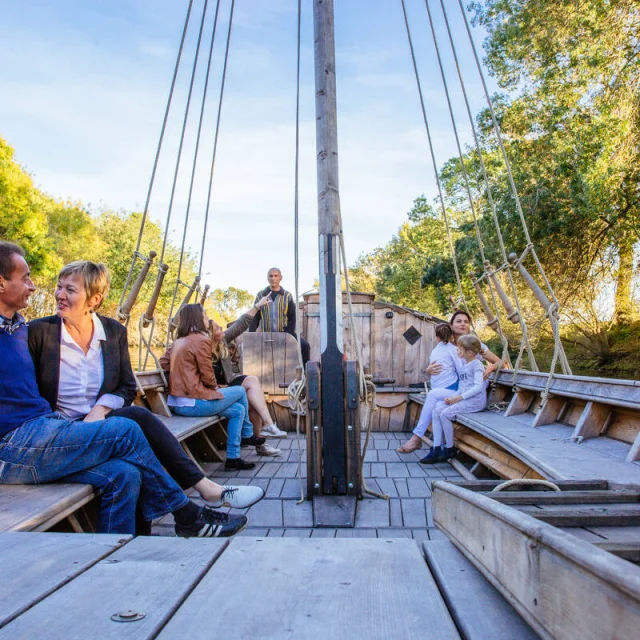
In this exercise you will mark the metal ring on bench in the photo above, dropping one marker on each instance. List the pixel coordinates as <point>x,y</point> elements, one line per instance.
<point>527,481</point>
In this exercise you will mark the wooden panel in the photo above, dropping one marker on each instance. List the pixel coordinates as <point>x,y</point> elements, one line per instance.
<point>150,575</point>
<point>383,345</point>
<point>38,508</point>
<point>587,515</point>
<point>35,565</point>
<point>624,426</point>
<point>477,607</point>
<point>565,588</point>
<point>399,348</point>
<point>266,356</point>
<point>549,412</point>
<point>592,421</point>
<point>571,412</point>
<point>182,427</point>
<point>549,455</point>
<point>412,355</point>
<point>620,393</point>
<point>565,485</point>
<point>564,497</point>
<point>338,589</point>
<point>520,402</point>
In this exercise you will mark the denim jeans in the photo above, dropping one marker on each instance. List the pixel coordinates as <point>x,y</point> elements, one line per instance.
<point>112,455</point>
<point>234,406</point>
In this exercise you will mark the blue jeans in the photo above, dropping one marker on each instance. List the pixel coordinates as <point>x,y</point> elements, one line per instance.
<point>234,406</point>
<point>112,455</point>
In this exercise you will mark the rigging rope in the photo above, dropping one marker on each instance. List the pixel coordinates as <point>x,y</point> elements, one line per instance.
<point>157,158</point>
<point>182,133</point>
<point>215,139</point>
<point>461,298</point>
<point>503,339</point>
<point>552,313</point>
<point>296,388</point>
<point>496,222</point>
<point>194,166</point>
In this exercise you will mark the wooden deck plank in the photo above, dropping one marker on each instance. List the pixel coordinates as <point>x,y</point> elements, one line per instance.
<point>35,565</point>
<point>39,507</point>
<point>564,497</point>
<point>477,607</point>
<point>549,456</point>
<point>587,515</point>
<point>565,485</point>
<point>148,575</point>
<point>337,588</point>
<point>563,587</point>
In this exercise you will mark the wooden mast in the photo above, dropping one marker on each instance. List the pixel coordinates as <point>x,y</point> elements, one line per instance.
<point>331,340</point>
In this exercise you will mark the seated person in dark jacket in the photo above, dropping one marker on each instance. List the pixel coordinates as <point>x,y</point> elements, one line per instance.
<point>38,445</point>
<point>280,315</point>
<point>84,372</point>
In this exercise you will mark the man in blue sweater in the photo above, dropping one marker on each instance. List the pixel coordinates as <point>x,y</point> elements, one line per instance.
<point>38,446</point>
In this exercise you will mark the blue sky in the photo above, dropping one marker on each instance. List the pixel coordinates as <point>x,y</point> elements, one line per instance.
<point>83,85</point>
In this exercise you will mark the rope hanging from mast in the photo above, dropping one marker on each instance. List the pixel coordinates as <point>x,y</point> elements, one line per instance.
<point>476,226</point>
<point>552,311</point>
<point>156,160</point>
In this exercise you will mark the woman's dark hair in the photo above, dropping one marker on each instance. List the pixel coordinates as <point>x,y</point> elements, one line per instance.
<point>444,332</point>
<point>190,320</point>
<point>460,312</point>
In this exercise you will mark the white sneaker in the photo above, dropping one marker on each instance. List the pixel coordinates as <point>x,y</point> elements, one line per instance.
<point>239,497</point>
<point>267,450</point>
<point>272,431</point>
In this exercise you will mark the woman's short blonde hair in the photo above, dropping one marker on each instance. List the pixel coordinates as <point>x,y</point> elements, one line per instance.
<point>95,277</point>
<point>470,342</point>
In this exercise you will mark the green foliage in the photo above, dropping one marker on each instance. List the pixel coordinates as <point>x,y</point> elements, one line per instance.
<point>225,305</point>
<point>55,233</point>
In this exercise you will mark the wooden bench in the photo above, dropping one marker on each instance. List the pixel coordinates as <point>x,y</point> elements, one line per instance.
<point>202,438</point>
<point>476,606</point>
<point>40,507</point>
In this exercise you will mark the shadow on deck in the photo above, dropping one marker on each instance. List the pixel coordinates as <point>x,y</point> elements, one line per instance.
<point>407,513</point>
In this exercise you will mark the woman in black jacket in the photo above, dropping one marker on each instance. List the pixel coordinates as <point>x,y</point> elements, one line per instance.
<point>84,371</point>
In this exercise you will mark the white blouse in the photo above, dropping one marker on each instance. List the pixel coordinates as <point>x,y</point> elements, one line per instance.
<point>81,375</point>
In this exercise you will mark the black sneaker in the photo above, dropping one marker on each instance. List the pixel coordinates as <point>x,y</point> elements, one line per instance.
<point>237,464</point>
<point>212,524</point>
<point>435,455</point>
<point>253,441</point>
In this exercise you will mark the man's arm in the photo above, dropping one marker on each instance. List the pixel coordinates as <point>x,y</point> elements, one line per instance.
<point>255,323</point>
<point>291,317</point>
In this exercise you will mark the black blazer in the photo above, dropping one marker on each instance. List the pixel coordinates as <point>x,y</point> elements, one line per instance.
<point>44,345</point>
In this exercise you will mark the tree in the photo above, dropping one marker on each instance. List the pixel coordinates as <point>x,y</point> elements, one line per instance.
<point>224,305</point>
<point>572,131</point>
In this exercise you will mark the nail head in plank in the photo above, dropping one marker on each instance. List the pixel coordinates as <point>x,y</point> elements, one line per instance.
<point>337,588</point>
<point>150,575</point>
<point>35,565</point>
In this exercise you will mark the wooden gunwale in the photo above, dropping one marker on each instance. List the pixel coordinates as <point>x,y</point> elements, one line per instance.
<point>522,557</point>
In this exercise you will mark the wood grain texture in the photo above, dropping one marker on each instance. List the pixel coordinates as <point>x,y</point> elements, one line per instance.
<point>148,575</point>
<point>39,507</point>
<point>478,608</point>
<point>550,456</point>
<point>337,588</point>
<point>563,587</point>
<point>35,565</point>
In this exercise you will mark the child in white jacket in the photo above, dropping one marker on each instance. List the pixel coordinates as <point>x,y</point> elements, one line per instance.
<point>471,397</point>
<point>442,384</point>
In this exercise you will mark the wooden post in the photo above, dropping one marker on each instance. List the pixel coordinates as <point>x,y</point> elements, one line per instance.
<point>533,285</point>
<point>125,310</point>
<point>331,340</point>
<point>492,321</point>
<point>147,318</point>
<point>173,324</point>
<point>512,313</point>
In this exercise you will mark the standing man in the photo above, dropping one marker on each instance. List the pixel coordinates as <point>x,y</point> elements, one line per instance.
<point>280,315</point>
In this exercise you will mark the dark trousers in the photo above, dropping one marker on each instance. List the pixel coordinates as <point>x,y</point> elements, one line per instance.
<point>168,451</point>
<point>305,347</point>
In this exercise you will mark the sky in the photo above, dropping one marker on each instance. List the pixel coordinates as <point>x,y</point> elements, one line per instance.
<point>83,90</point>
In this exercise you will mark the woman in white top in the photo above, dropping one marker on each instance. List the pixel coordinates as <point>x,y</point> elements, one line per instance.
<point>470,398</point>
<point>442,384</point>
